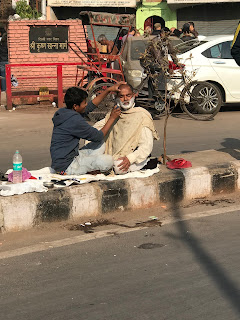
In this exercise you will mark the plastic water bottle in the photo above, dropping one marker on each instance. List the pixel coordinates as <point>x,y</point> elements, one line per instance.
<point>17,167</point>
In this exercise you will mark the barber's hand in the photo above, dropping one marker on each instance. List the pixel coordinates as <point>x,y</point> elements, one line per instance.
<point>115,87</point>
<point>116,111</point>
<point>125,164</point>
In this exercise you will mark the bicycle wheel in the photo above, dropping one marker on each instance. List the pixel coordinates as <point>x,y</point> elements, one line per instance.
<point>105,106</point>
<point>201,100</point>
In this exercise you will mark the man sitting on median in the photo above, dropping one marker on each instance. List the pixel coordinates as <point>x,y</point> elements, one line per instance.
<point>70,126</point>
<point>130,140</point>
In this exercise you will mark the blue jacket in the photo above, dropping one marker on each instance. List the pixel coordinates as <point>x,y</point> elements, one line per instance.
<point>69,128</point>
<point>235,51</point>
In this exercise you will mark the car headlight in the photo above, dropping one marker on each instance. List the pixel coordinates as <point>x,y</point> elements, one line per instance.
<point>135,73</point>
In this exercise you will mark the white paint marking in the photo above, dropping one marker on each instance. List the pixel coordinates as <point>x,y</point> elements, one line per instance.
<point>64,242</point>
<point>107,233</point>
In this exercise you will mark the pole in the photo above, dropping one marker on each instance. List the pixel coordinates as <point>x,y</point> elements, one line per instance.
<point>43,8</point>
<point>60,86</point>
<point>0,91</point>
<point>8,87</point>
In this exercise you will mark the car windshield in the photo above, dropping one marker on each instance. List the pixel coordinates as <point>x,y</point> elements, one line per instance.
<point>137,48</point>
<point>188,45</point>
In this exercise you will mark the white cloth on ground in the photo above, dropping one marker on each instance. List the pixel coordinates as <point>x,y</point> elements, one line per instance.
<point>9,189</point>
<point>48,174</point>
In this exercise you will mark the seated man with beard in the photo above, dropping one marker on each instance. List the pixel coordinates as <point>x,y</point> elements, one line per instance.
<point>130,140</point>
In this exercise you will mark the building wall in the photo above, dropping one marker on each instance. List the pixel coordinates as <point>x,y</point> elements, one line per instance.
<point>5,8</point>
<point>211,18</point>
<point>148,9</point>
<point>35,4</point>
<point>18,43</point>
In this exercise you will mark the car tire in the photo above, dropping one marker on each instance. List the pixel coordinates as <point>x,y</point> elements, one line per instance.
<point>201,100</point>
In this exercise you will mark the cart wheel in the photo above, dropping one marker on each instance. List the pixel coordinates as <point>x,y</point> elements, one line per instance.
<point>105,106</point>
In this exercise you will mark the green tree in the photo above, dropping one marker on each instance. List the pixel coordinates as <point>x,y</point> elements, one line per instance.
<point>25,11</point>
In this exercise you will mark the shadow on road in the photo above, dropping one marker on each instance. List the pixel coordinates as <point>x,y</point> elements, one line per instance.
<point>182,116</point>
<point>226,108</point>
<point>232,147</point>
<point>230,107</point>
<point>209,264</point>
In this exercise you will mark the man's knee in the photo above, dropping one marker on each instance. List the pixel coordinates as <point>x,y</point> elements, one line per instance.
<point>105,162</point>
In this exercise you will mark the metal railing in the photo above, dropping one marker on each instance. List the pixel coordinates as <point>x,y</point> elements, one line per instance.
<point>59,76</point>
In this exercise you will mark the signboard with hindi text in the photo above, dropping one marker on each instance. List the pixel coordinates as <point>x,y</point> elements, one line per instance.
<point>109,19</point>
<point>48,39</point>
<point>90,3</point>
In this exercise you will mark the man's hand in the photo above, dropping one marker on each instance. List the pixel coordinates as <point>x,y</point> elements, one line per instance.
<point>116,111</point>
<point>115,87</point>
<point>125,164</point>
<point>99,98</point>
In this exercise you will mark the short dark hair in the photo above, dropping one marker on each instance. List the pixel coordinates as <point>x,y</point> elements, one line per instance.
<point>166,29</point>
<point>185,28</point>
<point>74,95</point>
<point>177,33</point>
<point>102,37</point>
<point>191,23</point>
<point>123,32</point>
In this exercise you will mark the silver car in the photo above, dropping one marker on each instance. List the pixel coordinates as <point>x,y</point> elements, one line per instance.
<point>132,68</point>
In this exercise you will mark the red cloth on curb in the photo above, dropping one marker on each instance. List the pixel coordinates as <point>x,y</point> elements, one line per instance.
<point>179,164</point>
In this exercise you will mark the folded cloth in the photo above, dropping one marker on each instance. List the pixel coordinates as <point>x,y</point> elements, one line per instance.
<point>7,189</point>
<point>25,175</point>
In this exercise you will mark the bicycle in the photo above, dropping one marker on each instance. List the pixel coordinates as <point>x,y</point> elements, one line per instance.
<point>198,99</point>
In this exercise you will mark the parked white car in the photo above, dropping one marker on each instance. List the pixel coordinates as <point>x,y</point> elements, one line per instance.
<point>206,59</point>
<point>211,61</point>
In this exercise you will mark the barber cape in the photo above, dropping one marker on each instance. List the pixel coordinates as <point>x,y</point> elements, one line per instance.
<point>123,138</point>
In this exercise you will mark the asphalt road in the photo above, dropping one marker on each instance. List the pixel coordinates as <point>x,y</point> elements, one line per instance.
<point>30,131</point>
<point>183,271</point>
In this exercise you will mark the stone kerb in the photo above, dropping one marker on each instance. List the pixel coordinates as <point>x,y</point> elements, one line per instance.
<point>98,198</point>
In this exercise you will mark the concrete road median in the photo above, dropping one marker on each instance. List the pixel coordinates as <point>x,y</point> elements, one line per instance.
<point>212,173</point>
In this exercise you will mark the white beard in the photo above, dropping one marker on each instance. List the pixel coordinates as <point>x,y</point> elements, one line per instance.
<point>127,104</point>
